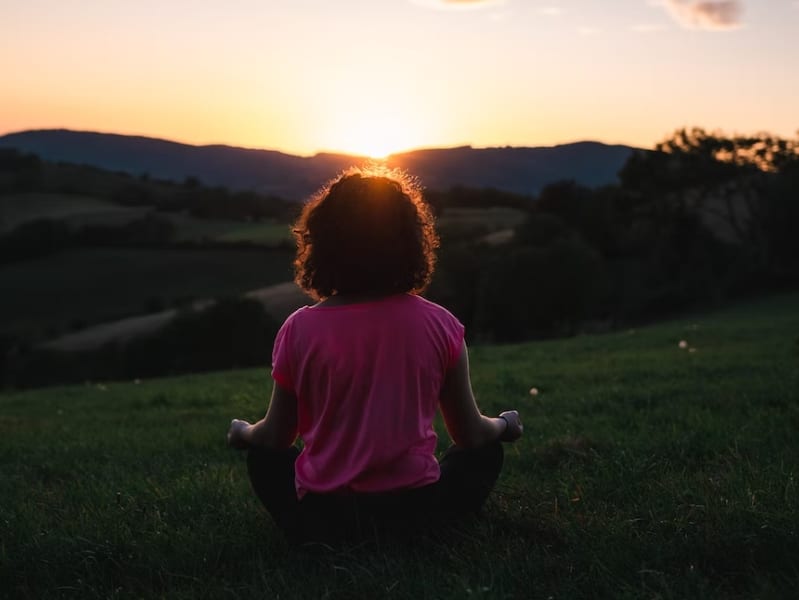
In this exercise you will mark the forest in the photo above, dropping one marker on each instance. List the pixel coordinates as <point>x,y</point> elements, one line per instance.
<point>700,220</point>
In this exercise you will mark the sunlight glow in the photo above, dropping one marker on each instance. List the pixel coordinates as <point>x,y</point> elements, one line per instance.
<point>373,134</point>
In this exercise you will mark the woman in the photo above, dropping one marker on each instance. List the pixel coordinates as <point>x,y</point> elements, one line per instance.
<point>360,376</point>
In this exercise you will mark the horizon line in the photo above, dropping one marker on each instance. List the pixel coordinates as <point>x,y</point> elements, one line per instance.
<point>320,151</point>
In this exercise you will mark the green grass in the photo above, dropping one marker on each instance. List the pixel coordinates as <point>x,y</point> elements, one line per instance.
<point>265,233</point>
<point>96,285</point>
<point>646,471</point>
<point>268,234</point>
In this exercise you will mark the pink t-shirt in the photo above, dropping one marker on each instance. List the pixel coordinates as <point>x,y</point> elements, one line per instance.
<point>367,378</point>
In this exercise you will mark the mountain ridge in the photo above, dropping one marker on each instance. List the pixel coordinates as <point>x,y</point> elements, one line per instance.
<point>524,170</point>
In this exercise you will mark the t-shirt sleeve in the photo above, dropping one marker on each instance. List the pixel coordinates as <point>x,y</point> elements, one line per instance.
<point>454,331</point>
<point>282,359</point>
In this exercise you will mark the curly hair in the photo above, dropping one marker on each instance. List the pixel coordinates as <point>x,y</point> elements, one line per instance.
<point>367,231</point>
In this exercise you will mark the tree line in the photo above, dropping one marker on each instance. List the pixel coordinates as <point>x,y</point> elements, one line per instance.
<point>24,173</point>
<point>701,219</point>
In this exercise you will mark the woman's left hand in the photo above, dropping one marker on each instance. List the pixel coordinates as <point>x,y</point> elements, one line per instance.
<point>237,435</point>
<point>514,429</point>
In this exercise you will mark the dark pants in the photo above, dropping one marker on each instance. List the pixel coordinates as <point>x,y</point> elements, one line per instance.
<point>467,477</point>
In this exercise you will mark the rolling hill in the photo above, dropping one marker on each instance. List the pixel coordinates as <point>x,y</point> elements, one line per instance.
<point>519,170</point>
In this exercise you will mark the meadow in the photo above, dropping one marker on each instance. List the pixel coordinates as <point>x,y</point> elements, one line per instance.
<point>649,468</point>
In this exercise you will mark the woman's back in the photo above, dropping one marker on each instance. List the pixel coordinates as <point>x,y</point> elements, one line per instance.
<point>367,377</point>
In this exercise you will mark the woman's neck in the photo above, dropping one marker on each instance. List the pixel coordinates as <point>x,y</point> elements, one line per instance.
<point>353,298</point>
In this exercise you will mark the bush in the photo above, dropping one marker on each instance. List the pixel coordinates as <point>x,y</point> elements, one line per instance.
<point>34,239</point>
<point>234,332</point>
<point>780,223</point>
<point>539,291</point>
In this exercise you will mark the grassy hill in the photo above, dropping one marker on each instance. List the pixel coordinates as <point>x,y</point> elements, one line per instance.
<point>646,470</point>
<point>82,246</point>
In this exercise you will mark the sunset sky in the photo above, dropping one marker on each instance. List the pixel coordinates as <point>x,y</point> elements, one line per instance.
<point>375,76</point>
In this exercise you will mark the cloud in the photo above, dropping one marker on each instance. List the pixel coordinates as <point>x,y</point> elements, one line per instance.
<point>458,4</point>
<point>551,11</point>
<point>647,28</point>
<point>705,14</point>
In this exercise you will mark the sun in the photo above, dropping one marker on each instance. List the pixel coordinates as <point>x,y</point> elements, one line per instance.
<point>374,134</point>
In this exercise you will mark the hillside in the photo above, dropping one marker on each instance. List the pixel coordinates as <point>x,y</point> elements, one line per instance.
<point>518,170</point>
<point>646,470</point>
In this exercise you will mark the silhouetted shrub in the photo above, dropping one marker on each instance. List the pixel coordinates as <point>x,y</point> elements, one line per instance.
<point>150,230</point>
<point>533,292</point>
<point>460,196</point>
<point>456,281</point>
<point>540,230</point>
<point>133,194</point>
<point>19,172</point>
<point>780,225</point>
<point>34,239</point>
<point>234,332</point>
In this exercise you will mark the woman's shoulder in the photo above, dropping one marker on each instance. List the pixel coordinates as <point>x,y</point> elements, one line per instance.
<point>428,305</point>
<point>295,317</point>
<point>434,311</point>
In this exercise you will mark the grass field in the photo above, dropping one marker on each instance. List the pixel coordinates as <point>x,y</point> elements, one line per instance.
<point>646,471</point>
<point>264,233</point>
<point>494,224</point>
<point>267,234</point>
<point>97,285</point>
<point>80,211</point>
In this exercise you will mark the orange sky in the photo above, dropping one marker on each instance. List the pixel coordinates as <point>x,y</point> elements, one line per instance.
<point>380,76</point>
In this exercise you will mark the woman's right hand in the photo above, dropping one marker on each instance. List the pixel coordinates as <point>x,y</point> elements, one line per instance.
<point>237,434</point>
<point>514,429</point>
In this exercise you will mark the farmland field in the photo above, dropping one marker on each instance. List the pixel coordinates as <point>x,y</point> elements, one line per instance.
<point>16,209</point>
<point>659,462</point>
<point>494,224</point>
<point>267,234</point>
<point>96,285</point>
<point>80,211</point>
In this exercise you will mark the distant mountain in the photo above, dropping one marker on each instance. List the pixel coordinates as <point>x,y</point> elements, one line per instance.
<point>520,170</point>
